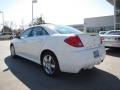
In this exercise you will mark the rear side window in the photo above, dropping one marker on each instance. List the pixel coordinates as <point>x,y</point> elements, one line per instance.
<point>38,31</point>
<point>114,33</point>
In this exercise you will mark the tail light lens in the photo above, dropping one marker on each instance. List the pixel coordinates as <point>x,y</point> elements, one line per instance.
<point>101,39</point>
<point>118,39</point>
<point>115,38</point>
<point>74,41</point>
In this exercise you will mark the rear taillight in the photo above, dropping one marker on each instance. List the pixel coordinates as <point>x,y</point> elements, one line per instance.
<point>74,41</point>
<point>115,38</point>
<point>101,39</point>
<point>118,39</point>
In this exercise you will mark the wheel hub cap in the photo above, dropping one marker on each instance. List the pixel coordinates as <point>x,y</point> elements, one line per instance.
<point>48,64</point>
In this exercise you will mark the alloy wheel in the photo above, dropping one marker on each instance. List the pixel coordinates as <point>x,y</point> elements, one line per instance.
<point>49,64</point>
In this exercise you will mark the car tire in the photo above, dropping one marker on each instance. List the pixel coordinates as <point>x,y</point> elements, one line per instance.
<point>50,64</point>
<point>12,50</point>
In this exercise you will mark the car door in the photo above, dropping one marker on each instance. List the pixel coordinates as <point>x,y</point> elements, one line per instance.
<point>35,42</point>
<point>21,43</point>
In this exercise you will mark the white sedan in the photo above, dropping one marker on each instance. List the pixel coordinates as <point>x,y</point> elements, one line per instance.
<point>111,38</point>
<point>58,48</point>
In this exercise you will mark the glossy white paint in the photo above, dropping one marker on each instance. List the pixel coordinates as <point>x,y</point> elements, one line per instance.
<point>70,59</point>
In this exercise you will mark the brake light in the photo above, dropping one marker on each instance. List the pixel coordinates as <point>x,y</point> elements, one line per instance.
<point>101,39</point>
<point>118,39</point>
<point>74,41</point>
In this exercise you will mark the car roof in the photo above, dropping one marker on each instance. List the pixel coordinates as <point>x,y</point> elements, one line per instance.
<point>45,26</point>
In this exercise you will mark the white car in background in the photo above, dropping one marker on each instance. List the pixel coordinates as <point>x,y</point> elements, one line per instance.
<point>58,48</point>
<point>6,36</point>
<point>111,38</point>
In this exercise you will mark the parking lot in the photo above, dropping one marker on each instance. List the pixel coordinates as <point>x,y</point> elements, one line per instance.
<point>20,74</point>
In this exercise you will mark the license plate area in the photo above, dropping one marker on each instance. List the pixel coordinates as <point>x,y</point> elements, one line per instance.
<point>96,54</point>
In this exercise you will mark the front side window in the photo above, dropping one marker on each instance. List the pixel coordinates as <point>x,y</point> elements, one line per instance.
<point>38,31</point>
<point>26,33</point>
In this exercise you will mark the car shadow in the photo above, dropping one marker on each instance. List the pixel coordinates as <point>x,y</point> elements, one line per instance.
<point>113,52</point>
<point>33,77</point>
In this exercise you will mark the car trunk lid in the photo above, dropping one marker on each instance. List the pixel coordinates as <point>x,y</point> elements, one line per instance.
<point>90,41</point>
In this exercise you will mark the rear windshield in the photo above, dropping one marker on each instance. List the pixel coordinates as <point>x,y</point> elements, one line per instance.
<point>113,33</point>
<point>64,29</point>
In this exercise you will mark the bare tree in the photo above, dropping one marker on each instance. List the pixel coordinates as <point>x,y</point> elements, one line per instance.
<point>38,21</point>
<point>10,24</point>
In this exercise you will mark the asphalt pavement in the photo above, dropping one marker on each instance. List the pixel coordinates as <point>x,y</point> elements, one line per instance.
<point>21,74</point>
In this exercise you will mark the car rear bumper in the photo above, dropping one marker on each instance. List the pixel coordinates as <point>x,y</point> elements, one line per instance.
<point>74,61</point>
<point>111,44</point>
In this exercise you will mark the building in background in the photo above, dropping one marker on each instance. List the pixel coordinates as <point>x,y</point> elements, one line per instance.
<point>116,4</point>
<point>96,24</point>
<point>78,26</point>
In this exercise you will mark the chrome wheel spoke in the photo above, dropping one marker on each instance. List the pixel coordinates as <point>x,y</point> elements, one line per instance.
<point>53,66</point>
<point>46,69</point>
<point>50,70</point>
<point>45,59</point>
<point>44,64</point>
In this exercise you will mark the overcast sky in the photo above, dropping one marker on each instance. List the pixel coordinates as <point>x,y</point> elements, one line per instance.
<point>54,11</point>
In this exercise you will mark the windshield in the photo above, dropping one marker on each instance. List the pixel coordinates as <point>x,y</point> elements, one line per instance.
<point>102,32</point>
<point>64,29</point>
<point>113,33</point>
